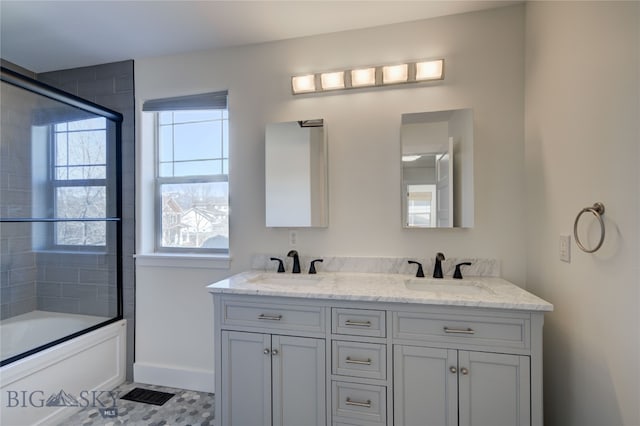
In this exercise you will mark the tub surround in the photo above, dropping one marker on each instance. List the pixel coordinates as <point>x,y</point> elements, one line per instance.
<point>94,361</point>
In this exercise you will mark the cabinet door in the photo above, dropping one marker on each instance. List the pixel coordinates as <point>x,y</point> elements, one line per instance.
<point>425,386</point>
<point>494,389</point>
<point>298,381</point>
<point>246,378</point>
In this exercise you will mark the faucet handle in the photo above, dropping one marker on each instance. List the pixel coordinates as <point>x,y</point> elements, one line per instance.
<point>312,267</point>
<point>420,272</point>
<point>280,264</point>
<point>457,274</point>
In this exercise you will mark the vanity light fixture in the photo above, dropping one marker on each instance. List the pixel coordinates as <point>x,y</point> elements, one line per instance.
<point>303,83</point>
<point>408,158</point>
<point>393,74</point>
<point>332,80</point>
<point>376,76</point>
<point>430,70</point>
<point>363,77</point>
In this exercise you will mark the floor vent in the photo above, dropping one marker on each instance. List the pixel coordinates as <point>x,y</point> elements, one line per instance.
<point>148,396</point>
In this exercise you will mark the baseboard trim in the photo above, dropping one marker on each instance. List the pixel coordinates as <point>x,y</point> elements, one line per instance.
<point>162,375</point>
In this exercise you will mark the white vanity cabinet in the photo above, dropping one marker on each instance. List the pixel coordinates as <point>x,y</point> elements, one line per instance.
<point>466,367</point>
<point>271,378</point>
<point>447,387</point>
<point>296,359</point>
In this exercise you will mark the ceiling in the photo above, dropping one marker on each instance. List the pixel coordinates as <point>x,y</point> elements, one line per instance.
<point>50,35</point>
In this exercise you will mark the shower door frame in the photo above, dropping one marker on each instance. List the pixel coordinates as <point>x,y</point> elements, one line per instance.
<point>34,86</point>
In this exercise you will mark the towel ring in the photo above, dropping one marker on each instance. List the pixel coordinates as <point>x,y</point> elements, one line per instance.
<point>597,210</point>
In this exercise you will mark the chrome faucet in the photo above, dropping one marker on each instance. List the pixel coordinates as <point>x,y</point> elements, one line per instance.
<point>296,261</point>
<point>437,270</point>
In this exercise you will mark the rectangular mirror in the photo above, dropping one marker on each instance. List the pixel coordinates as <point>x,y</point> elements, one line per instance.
<point>437,169</point>
<point>296,174</point>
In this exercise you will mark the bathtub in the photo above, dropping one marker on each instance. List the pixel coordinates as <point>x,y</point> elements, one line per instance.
<point>78,369</point>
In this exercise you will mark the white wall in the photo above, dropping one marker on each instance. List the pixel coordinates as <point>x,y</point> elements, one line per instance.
<point>582,146</point>
<point>484,71</point>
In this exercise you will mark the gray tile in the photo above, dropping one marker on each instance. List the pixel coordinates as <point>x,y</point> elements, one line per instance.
<point>57,304</point>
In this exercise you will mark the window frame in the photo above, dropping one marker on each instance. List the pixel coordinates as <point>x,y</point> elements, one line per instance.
<point>52,243</point>
<point>159,181</point>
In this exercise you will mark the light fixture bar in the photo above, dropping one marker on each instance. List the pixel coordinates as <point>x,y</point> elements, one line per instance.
<point>373,76</point>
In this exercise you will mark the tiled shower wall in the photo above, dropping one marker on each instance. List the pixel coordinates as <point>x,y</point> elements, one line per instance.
<point>112,86</point>
<point>18,264</point>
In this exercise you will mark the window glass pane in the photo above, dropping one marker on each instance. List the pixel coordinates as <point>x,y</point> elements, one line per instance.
<point>61,149</point>
<point>195,215</point>
<point>198,168</point>
<point>81,201</point>
<point>87,147</point>
<point>81,233</point>
<point>86,172</point>
<point>225,139</point>
<point>165,117</point>
<point>196,141</point>
<point>165,169</point>
<point>165,141</point>
<point>91,123</point>
<point>61,173</point>
<point>193,116</point>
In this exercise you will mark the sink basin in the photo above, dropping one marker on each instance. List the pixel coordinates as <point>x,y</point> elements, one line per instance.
<point>286,279</point>
<point>447,286</point>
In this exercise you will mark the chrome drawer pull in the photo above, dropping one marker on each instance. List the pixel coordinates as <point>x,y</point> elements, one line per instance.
<point>358,403</point>
<point>358,361</point>
<point>459,330</point>
<point>358,323</point>
<point>270,317</point>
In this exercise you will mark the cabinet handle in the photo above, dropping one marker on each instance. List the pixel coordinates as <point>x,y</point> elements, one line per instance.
<point>453,369</point>
<point>366,404</point>
<point>353,323</point>
<point>459,330</point>
<point>274,352</point>
<point>266,351</point>
<point>464,371</point>
<point>358,361</point>
<point>270,317</point>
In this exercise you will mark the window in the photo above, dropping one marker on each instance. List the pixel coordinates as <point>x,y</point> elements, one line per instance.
<point>192,174</point>
<point>79,180</point>
<point>421,205</point>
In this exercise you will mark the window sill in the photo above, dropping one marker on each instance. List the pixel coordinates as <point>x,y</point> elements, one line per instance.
<point>165,260</point>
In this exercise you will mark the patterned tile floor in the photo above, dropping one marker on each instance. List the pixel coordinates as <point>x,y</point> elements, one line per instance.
<point>186,408</point>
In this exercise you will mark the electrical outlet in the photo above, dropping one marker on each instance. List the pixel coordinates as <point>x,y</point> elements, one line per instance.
<point>293,238</point>
<point>565,248</point>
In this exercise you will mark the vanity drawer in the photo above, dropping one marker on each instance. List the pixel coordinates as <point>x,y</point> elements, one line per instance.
<point>501,331</point>
<point>358,322</point>
<point>355,359</point>
<point>354,401</point>
<point>273,316</point>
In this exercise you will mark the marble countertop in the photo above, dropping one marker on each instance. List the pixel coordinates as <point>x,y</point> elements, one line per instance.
<point>482,292</point>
